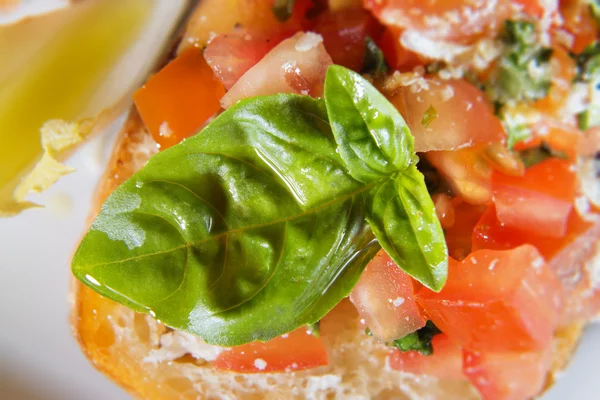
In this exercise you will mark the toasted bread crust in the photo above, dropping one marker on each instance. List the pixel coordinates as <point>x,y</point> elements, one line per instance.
<point>117,340</point>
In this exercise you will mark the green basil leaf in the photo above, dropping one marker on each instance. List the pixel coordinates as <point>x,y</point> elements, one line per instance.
<point>372,137</point>
<point>374,60</point>
<point>402,216</point>
<point>419,340</point>
<point>246,231</point>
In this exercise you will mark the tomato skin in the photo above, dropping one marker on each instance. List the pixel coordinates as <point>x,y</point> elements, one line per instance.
<point>212,17</point>
<point>566,257</point>
<point>396,56</point>
<point>497,301</point>
<point>467,172</point>
<point>294,351</point>
<point>540,201</point>
<point>296,65</point>
<point>459,235</point>
<point>445,362</point>
<point>231,55</point>
<point>344,34</point>
<point>578,20</point>
<point>460,21</point>
<point>385,299</point>
<point>507,375</point>
<point>464,118</point>
<point>559,137</point>
<point>177,101</point>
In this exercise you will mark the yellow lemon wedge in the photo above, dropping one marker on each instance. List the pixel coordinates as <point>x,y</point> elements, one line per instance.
<point>78,64</point>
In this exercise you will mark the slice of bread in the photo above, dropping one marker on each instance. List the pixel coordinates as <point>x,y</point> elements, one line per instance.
<point>120,342</point>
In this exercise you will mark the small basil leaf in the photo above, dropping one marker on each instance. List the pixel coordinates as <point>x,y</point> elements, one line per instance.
<point>419,340</point>
<point>374,60</point>
<point>246,231</point>
<point>282,9</point>
<point>372,137</point>
<point>402,216</point>
<point>429,116</point>
<point>536,155</point>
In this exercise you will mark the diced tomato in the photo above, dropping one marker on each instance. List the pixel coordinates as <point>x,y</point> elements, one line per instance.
<point>497,301</point>
<point>566,257</point>
<point>212,17</point>
<point>444,209</point>
<point>385,299</point>
<point>445,362</point>
<point>176,102</point>
<point>578,20</point>
<point>296,65</point>
<point>467,172</point>
<point>232,55</point>
<point>464,118</point>
<point>458,236</point>
<point>507,375</point>
<point>559,137</point>
<point>294,351</point>
<point>540,201</point>
<point>396,56</point>
<point>344,34</point>
<point>455,20</point>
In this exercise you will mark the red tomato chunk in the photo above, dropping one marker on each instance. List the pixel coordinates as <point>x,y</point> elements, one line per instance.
<point>445,362</point>
<point>497,301</point>
<point>294,351</point>
<point>385,299</point>
<point>538,202</point>
<point>507,375</point>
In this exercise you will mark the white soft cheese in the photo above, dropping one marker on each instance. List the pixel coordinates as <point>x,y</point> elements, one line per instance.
<point>308,41</point>
<point>176,344</point>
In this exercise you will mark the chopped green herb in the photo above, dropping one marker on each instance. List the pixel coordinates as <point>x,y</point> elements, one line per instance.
<point>283,9</point>
<point>595,10</point>
<point>536,155</point>
<point>418,341</point>
<point>516,133</point>
<point>314,329</point>
<point>374,61</point>
<point>523,71</point>
<point>429,116</point>
<point>588,72</point>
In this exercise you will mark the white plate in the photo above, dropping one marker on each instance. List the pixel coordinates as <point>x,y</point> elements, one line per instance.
<point>39,360</point>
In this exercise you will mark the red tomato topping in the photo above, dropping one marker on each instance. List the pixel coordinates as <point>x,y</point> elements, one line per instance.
<point>497,301</point>
<point>538,202</point>
<point>467,172</point>
<point>231,55</point>
<point>344,34</point>
<point>455,20</point>
<point>458,236</point>
<point>176,102</point>
<point>445,362</point>
<point>296,65</point>
<point>396,56</point>
<point>385,299</point>
<point>294,351</point>
<point>559,137</point>
<point>507,375</point>
<point>566,257</point>
<point>578,20</point>
<point>464,118</point>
